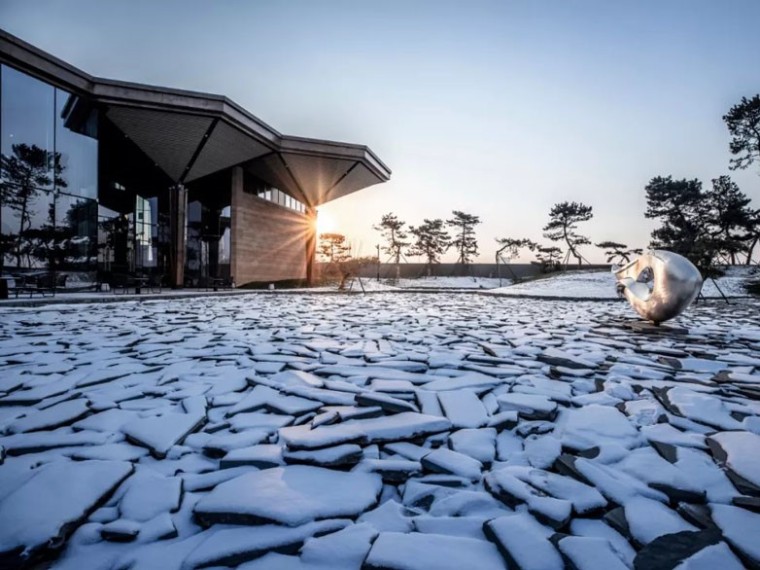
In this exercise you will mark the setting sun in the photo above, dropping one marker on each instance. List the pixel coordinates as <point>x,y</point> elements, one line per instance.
<point>325,223</point>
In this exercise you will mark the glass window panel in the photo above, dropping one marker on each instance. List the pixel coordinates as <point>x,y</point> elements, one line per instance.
<point>26,140</point>
<point>27,231</point>
<point>76,233</point>
<point>77,151</point>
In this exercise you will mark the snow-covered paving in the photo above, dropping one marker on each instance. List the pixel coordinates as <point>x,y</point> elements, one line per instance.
<point>381,431</point>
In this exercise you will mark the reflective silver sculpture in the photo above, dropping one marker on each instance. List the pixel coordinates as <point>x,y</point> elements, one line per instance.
<point>659,285</point>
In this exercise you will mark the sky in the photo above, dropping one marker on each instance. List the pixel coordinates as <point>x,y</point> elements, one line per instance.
<point>498,109</point>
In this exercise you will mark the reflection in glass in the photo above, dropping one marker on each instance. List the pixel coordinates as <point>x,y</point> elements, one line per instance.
<point>42,226</point>
<point>27,118</point>
<point>76,143</point>
<point>208,242</point>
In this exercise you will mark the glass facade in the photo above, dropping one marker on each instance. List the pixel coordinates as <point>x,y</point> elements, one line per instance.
<point>76,195</point>
<point>208,230</point>
<point>48,173</point>
<point>133,208</point>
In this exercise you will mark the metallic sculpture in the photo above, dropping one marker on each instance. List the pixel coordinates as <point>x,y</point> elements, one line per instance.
<point>659,285</point>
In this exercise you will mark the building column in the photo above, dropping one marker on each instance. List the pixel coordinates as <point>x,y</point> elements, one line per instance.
<point>236,193</point>
<point>178,234</point>
<point>311,245</point>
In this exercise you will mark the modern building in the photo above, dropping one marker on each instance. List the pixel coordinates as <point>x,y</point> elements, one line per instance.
<point>101,177</point>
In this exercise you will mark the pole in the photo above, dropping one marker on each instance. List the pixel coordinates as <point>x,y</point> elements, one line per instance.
<point>378,262</point>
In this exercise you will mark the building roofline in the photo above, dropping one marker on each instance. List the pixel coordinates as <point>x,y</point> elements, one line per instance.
<point>36,62</point>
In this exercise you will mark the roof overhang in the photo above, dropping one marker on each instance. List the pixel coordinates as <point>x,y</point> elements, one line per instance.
<point>190,135</point>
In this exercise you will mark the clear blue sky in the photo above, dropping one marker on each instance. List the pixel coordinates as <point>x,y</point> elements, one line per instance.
<point>497,108</point>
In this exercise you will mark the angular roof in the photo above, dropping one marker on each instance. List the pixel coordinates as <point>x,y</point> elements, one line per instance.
<point>190,134</point>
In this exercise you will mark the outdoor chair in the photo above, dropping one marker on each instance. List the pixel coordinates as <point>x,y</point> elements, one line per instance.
<point>42,283</point>
<point>120,283</point>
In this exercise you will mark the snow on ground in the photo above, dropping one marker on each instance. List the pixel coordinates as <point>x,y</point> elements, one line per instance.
<point>379,431</point>
<point>451,283</point>
<point>601,285</point>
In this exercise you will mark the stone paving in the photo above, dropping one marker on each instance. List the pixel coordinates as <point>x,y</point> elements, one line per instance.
<point>386,431</point>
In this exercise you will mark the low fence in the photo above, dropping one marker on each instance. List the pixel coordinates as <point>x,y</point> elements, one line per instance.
<point>416,270</point>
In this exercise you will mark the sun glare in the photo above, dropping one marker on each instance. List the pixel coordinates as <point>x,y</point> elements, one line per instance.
<point>325,223</point>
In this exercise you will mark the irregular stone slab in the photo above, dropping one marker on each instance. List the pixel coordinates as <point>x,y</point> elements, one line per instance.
<point>40,514</point>
<point>346,548</point>
<point>595,425</point>
<point>391,470</point>
<point>121,530</point>
<point>669,550</point>
<point>556,357</point>
<point>56,416</point>
<point>234,546</point>
<point>585,499</point>
<point>463,408</point>
<point>716,556</point>
<point>542,450</point>
<point>206,481</point>
<point>524,542</point>
<point>597,528</point>
<point>415,551</point>
<point>220,445</point>
<point>148,494</point>
<point>667,434</point>
<point>259,420</point>
<point>740,452</point>
<point>340,455</point>
<point>122,451</point>
<point>108,420</point>
<point>385,402</point>
<point>702,408</point>
<point>160,433</point>
<point>159,528</point>
<point>589,553</point>
<point>528,406</point>
<point>480,444</point>
<point>648,519</point>
<point>265,398</point>
<point>512,491</point>
<point>740,528</point>
<point>465,527</point>
<point>290,495</point>
<point>646,465</point>
<point>390,516</point>
<point>259,456</point>
<point>429,403</point>
<point>22,443</point>
<point>298,378</point>
<point>474,381</point>
<point>397,427</point>
<point>446,461</point>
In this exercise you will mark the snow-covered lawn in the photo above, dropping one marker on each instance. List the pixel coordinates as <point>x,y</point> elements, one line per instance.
<point>381,431</point>
<point>451,283</point>
<point>589,284</point>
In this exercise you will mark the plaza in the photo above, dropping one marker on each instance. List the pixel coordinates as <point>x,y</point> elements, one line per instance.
<point>387,430</point>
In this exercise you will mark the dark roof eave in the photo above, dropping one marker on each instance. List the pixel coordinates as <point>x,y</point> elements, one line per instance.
<point>30,59</point>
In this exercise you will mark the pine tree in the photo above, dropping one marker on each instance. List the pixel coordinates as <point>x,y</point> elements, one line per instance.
<point>618,251</point>
<point>464,240</point>
<point>392,230</point>
<point>563,219</point>
<point>431,241</point>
